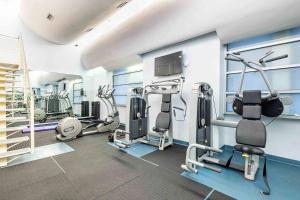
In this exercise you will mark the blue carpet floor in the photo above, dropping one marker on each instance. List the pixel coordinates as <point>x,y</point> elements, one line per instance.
<point>284,181</point>
<point>137,150</point>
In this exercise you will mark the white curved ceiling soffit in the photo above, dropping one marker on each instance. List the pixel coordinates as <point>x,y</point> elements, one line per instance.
<point>62,21</point>
<point>40,78</point>
<point>166,22</point>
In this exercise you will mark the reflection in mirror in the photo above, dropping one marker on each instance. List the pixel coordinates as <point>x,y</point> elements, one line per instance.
<point>56,95</point>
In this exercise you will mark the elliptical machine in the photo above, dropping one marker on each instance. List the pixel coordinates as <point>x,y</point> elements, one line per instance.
<point>60,102</point>
<point>71,128</point>
<point>250,130</point>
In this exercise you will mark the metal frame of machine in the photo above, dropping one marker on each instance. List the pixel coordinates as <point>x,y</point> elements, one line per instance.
<point>200,152</point>
<point>123,138</point>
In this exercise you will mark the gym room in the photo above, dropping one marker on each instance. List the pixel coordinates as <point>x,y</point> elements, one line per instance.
<point>149,99</point>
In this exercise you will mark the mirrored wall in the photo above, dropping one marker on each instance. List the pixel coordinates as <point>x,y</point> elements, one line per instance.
<point>56,95</point>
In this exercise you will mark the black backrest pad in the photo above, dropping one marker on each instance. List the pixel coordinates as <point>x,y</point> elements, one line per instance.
<point>165,107</point>
<point>252,97</point>
<point>166,98</point>
<point>252,112</point>
<point>163,120</point>
<point>251,132</point>
<point>166,103</point>
<point>252,104</point>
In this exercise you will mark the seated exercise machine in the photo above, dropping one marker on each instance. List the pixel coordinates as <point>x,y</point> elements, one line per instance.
<point>71,128</point>
<point>250,130</point>
<point>57,106</point>
<point>137,125</point>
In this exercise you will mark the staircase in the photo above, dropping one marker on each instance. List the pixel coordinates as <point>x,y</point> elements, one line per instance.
<point>16,101</point>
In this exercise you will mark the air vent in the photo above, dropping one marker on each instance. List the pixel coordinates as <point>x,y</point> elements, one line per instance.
<point>122,4</point>
<point>88,30</point>
<point>50,17</point>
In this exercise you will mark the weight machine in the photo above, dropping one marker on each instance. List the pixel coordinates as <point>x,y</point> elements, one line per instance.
<point>137,125</point>
<point>250,130</point>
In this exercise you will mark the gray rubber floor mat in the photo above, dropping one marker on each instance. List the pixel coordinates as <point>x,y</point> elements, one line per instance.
<point>158,184</point>
<point>28,173</point>
<point>95,174</point>
<point>54,188</point>
<point>98,170</point>
<point>219,196</point>
<point>171,158</point>
<point>45,138</point>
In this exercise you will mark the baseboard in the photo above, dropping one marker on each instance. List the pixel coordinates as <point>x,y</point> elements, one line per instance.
<point>272,157</point>
<point>180,142</point>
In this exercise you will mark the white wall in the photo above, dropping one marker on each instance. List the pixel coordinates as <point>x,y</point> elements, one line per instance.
<point>202,57</point>
<point>91,81</point>
<point>41,55</point>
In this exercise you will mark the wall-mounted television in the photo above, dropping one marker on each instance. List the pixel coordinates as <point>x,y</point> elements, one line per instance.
<point>169,64</point>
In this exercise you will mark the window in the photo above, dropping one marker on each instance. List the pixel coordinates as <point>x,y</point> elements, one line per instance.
<point>284,75</point>
<point>124,79</point>
<point>77,93</point>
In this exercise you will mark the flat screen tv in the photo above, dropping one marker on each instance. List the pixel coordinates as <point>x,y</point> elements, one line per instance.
<point>169,64</point>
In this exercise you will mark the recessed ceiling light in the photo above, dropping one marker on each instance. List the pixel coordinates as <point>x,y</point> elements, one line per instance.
<point>50,17</point>
<point>122,4</point>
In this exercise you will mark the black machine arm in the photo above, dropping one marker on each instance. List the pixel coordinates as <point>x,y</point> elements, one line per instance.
<point>276,58</point>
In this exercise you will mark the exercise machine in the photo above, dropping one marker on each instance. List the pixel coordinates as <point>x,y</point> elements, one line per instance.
<point>250,130</point>
<point>57,106</point>
<point>71,128</point>
<point>137,125</point>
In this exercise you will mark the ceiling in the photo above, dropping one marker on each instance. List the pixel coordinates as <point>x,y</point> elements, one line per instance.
<point>128,32</point>
<point>41,78</point>
<point>70,18</point>
<point>168,22</point>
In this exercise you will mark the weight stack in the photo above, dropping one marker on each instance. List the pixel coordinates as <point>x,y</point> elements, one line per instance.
<point>85,111</point>
<point>96,110</point>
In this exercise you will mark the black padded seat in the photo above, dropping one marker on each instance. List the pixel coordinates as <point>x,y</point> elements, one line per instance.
<point>161,130</point>
<point>249,149</point>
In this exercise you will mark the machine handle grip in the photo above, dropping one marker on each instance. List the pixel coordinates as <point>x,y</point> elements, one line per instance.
<point>277,58</point>
<point>233,59</point>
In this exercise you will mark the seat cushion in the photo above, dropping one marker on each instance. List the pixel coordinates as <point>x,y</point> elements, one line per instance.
<point>249,149</point>
<point>251,132</point>
<point>160,130</point>
<point>163,120</point>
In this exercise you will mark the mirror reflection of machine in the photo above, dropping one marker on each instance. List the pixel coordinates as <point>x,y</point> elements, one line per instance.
<point>251,105</point>
<point>71,128</point>
<point>57,106</point>
<point>138,107</point>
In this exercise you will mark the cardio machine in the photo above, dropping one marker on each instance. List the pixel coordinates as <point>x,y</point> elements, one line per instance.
<point>250,130</point>
<point>71,128</point>
<point>137,125</point>
<point>57,106</point>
